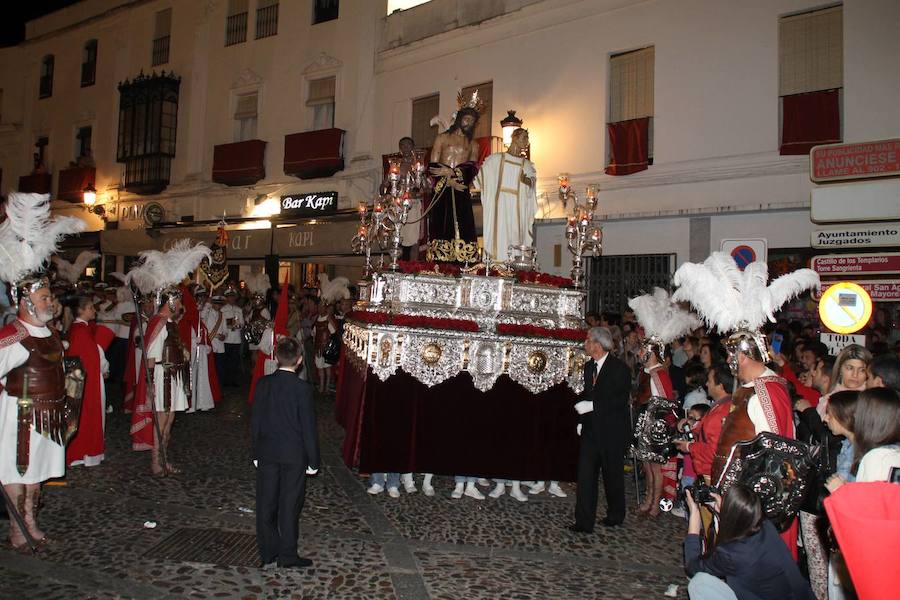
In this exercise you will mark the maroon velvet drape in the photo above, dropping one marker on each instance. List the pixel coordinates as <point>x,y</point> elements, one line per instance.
<point>629,146</point>
<point>808,120</point>
<point>401,425</point>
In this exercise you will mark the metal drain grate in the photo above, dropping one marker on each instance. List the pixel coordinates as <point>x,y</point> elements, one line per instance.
<point>213,546</point>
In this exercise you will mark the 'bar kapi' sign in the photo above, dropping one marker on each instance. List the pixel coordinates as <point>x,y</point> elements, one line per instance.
<point>309,205</point>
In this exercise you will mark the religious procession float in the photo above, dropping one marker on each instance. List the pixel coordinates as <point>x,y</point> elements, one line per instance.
<point>467,364</point>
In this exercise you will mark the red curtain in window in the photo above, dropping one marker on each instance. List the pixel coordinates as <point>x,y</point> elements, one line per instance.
<point>628,146</point>
<point>809,119</point>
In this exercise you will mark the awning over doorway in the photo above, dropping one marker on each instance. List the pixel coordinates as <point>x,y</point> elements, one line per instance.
<point>242,243</point>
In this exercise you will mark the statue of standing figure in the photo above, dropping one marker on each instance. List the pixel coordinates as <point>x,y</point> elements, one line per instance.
<point>454,156</point>
<point>507,184</point>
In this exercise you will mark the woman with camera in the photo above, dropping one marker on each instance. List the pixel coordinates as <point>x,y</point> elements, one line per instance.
<point>748,553</point>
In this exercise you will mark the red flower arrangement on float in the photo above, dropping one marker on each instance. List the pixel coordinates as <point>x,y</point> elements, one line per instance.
<point>575,335</point>
<point>413,321</point>
<point>542,279</point>
<point>414,267</point>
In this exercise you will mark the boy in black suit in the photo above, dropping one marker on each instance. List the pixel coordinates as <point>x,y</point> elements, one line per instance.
<point>286,450</point>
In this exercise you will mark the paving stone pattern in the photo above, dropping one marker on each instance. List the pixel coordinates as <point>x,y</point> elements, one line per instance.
<point>363,546</point>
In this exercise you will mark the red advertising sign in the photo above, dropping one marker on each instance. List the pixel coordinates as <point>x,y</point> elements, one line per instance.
<point>868,264</point>
<point>838,162</point>
<point>886,290</point>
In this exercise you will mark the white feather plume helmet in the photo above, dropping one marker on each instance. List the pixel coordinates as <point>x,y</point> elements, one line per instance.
<point>662,318</point>
<point>258,283</point>
<point>728,299</point>
<point>159,270</point>
<point>332,290</point>
<point>28,236</point>
<point>71,271</point>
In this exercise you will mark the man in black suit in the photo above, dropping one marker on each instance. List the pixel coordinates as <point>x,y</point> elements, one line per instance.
<point>286,449</point>
<point>604,428</point>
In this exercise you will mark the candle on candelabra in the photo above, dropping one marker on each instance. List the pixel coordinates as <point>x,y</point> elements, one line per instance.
<point>378,208</point>
<point>362,208</point>
<point>361,232</point>
<point>596,236</point>
<point>584,217</point>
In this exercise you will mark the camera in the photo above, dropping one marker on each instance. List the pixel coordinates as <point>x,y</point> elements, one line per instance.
<point>701,492</point>
<point>686,433</point>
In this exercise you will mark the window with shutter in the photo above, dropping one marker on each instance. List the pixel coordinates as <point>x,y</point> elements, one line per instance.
<point>321,101</point>
<point>236,22</point>
<point>423,110</point>
<point>245,117</point>
<point>630,116</point>
<point>486,94</point>
<point>266,18</point>
<point>810,79</point>
<point>45,89</point>
<point>162,30</point>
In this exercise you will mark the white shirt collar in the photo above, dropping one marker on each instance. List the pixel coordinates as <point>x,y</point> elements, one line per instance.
<point>600,362</point>
<point>767,373</point>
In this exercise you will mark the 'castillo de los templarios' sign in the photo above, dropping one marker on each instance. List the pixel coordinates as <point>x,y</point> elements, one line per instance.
<point>309,205</point>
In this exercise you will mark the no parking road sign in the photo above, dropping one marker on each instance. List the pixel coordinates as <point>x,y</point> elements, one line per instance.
<point>746,251</point>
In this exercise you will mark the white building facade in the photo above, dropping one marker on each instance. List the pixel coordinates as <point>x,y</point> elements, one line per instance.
<point>716,77</point>
<point>708,76</point>
<point>251,74</point>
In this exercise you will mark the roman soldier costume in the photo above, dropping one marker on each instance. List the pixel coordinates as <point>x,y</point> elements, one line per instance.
<point>38,414</point>
<point>739,303</point>
<point>663,321</point>
<point>167,359</point>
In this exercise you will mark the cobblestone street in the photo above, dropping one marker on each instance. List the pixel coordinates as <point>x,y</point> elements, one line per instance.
<point>363,546</point>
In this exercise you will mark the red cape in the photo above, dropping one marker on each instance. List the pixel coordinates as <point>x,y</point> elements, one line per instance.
<point>190,322</point>
<point>142,417</point>
<point>88,441</point>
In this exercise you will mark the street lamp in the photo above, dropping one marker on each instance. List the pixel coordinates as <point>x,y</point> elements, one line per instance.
<point>509,124</point>
<point>90,196</point>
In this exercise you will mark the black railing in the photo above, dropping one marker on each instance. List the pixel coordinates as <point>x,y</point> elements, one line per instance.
<point>612,280</point>
<point>236,29</point>
<point>161,51</point>
<point>267,21</point>
<point>147,174</point>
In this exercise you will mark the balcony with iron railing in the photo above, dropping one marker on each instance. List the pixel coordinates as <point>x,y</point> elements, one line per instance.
<point>161,51</point>
<point>73,181</point>
<point>267,21</point>
<point>240,163</point>
<point>36,183</point>
<point>314,154</point>
<point>236,29</point>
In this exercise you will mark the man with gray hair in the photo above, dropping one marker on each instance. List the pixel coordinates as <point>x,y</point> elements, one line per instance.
<point>604,428</point>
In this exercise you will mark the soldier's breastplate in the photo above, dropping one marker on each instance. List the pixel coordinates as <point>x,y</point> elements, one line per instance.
<point>43,371</point>
<point>321,333</point>
<point>737,428</point>
<point>173,350</point>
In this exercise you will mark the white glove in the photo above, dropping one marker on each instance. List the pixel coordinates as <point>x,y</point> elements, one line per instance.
<point>585,406</point>
<point>578,429</point>
<point>256,463</point>
<point>311,471</point>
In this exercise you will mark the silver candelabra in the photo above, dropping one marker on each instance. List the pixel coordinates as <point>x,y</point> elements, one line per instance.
<point>382,226</point>
<point>582,235</point>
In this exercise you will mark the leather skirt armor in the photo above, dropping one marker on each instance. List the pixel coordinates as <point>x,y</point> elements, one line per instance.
<point>40,386</point>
